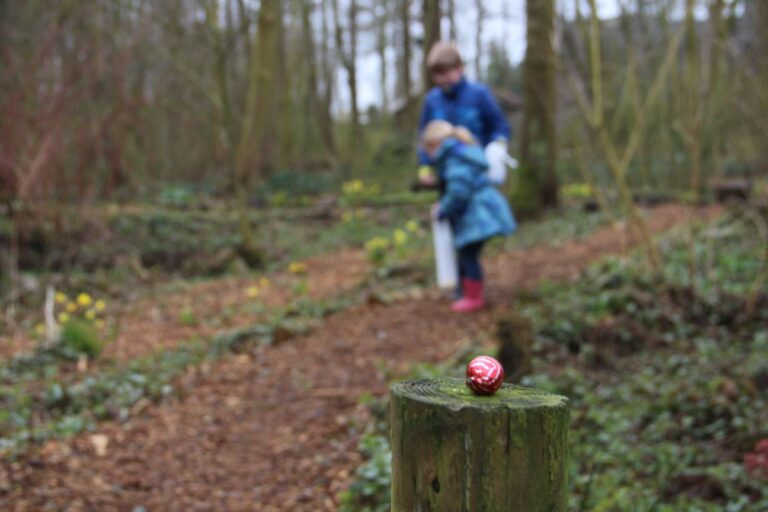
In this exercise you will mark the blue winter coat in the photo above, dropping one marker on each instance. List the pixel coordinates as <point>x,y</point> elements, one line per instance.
<point>476,210</point>
<point>467,104</point>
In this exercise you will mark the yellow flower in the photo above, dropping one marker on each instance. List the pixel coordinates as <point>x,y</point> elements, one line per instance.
<point>400,237</point>
<point>63,318</point>
<point>90,315</point>
<point>252,292</point>
<point>71,307</point>
<point>100,324</point>
<point>352,187</point>
<point>376,243</point>
<point>100,305</point>
<point>577,190</point>
<point>297,267</point>
<point>84,299</point>
<point>39,330</point>
<point>264,282</point>
<point>412,226</point>
<point>60,298</point>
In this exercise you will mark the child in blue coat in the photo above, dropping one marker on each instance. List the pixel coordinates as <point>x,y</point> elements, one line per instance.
<point>476,210</point>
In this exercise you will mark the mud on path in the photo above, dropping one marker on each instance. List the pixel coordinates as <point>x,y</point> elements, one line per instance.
<point>277,429</point>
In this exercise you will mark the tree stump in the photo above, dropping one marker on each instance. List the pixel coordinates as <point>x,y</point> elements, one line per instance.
<point>455,451</point>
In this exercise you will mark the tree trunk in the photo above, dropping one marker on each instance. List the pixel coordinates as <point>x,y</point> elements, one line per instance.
<point>431,35</point>
<point>381,49</point>
<point>348,59</point>
<point>480,8</point>
<point>281,93</point>
<point>255,150</point>
<point>405,71</point>
<point>225,116</point>
<point>538,180</point>
<point>761,32</point>
<point>352,73</point>
<point>326,69</point>
<point>451,14</point>
<point>452,450</point>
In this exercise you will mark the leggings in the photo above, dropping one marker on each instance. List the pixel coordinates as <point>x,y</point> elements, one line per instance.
<point>469,261</point>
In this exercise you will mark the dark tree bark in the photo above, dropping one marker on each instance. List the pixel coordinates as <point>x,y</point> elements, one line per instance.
<point>256,149</point>
<point>539,135</point>
<point>431,21</point>
<point>405,63</point>
<point>348,56</point>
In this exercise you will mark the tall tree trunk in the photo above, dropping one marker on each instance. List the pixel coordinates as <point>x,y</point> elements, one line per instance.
<point>538,142</point>
<point>245,27</point>
<point>327,74</point>
<point>451,13</point>
<point>381,49</point>
<point>352,71</point>
<point>281,91</point>
<point>255,150</point>
<point>480,8</point>
<point>225,117</point>
<point>693,99</point>
<point>315,103</point>
<point>431,21</point>
<point>348,57</point>
<point>761,32</point>
<point>405,71</point>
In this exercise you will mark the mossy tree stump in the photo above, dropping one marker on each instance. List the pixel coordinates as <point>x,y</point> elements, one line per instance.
<point>454,451</point>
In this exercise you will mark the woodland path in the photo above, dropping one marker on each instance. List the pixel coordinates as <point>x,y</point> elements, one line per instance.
<point>277,429</point>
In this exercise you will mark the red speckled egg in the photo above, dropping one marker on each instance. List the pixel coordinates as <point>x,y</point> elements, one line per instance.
<point>484,375</point>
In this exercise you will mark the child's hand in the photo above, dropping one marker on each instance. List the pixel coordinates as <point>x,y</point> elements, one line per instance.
<point>427,181</point>
<point>435,211</point>
<point>425,176</point>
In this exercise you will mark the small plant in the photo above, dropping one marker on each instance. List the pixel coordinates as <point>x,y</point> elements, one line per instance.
<point>257,290</point>
<point>297,268</point>
<point>187,317</point>
<point>279,199</point>
<point>577,191</point>
<point>400,240</point>
<point>80,324</point>
<point>350,216</point>
<point>81,337</point>
<point>377,248</point>
<point>301,287</point>
<point>370,492</point>
<point>412,226</point>
<point>356,190</point>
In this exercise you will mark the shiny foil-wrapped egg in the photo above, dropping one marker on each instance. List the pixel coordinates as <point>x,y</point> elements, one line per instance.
<point>484,375</point>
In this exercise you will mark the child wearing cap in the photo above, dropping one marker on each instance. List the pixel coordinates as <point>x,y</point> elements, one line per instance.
<point>476,210</point>
<point>462,103</point>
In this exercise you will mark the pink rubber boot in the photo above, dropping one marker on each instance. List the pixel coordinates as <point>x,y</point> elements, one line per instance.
<point>473,297</point>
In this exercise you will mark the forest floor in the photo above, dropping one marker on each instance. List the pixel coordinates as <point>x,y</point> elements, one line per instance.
<point>277,427</point>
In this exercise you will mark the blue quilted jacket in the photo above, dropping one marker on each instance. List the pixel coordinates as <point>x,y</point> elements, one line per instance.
<point>476,210</point>
<point>467,104</point>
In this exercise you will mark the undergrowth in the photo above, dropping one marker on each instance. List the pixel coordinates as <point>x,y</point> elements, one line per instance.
<point>667,377</point>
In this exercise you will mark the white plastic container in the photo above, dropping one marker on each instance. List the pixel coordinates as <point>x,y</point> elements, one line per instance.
<point>445,254</point>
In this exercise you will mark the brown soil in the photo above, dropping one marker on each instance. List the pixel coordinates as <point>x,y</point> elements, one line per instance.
<point>278,429</point>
